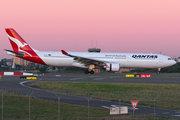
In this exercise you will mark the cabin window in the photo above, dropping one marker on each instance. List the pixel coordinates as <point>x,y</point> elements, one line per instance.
<point>169,58</point>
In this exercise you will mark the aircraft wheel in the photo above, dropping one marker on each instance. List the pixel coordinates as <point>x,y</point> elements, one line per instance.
<point>92,72</point>
<point>158,72</point>
<point>86,72</point>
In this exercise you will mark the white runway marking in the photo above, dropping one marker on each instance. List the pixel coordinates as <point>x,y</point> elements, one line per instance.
<point>75,78</point>
<point>176,115</point>
<point>113,77</point>
<point>105,107</point>
<point>22,83</point>
<point>115,105</point>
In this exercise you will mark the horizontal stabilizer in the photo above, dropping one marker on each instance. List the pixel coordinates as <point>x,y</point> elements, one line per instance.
<point>21,54</point>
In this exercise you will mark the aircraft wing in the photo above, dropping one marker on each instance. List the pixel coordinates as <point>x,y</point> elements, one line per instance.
<point>86,61</point>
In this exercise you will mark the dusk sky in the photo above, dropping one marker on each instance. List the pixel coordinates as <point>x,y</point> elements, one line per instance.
<point>121,26</point>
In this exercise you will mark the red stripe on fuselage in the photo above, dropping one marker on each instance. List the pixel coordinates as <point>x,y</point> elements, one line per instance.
<point>34,58</point>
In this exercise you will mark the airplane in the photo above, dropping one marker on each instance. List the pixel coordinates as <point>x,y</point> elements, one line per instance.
<point>108,61</point>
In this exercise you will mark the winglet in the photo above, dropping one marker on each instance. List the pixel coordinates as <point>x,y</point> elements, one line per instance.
<point>64,52</point>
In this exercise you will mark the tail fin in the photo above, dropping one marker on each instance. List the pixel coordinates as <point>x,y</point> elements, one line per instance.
<point>17,42</point>
<point>21,48</point>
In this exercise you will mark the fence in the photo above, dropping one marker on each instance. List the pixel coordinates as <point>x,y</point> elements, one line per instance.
<point>37,104</point>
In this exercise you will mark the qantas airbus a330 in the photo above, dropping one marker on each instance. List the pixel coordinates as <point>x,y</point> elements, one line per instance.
<point>108,61</point>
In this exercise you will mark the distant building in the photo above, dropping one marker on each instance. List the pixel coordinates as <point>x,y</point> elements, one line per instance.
<point>9,62</point>
<point>98,50</point>
<point>19,61</point>
<point>178,60</point>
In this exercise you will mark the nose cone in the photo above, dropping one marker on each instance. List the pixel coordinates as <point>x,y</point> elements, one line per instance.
<point>173,62</point>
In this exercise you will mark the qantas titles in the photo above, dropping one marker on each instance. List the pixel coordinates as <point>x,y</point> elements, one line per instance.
<point>144,56</point>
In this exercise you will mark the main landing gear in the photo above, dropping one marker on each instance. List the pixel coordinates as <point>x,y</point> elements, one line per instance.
<point>158,71</point>
<point>89,72</point>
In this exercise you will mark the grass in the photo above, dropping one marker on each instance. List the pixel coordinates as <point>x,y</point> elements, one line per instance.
<point>168,94</point>
<point>104,87</point>
<point>16,107</point>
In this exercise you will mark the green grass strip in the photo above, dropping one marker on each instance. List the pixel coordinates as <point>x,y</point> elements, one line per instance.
<point>168,94</point>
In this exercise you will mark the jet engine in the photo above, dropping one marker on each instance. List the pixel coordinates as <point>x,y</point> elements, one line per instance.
<point>115,67</point>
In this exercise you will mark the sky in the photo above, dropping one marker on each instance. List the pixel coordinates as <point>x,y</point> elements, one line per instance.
<point>119,26</point>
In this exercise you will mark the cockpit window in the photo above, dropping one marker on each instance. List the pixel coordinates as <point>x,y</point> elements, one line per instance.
<point>169,58</point>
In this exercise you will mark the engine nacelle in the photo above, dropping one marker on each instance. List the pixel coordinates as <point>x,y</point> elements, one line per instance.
<point>115,67</point>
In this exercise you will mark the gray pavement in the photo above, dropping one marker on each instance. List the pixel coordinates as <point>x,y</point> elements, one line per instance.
<point>14,84</point>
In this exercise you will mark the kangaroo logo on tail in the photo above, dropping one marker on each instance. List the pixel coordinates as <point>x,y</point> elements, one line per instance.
<point>18,44</point>
<point>21,48</point>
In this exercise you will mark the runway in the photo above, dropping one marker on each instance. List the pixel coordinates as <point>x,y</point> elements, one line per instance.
<point>170,78</point>
<point>14,84</point>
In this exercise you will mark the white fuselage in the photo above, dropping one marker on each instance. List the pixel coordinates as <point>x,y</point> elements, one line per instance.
<point>126,60</point>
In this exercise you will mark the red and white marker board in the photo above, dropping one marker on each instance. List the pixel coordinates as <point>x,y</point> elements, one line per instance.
<point>15,73</point>
<point>134,104</point>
